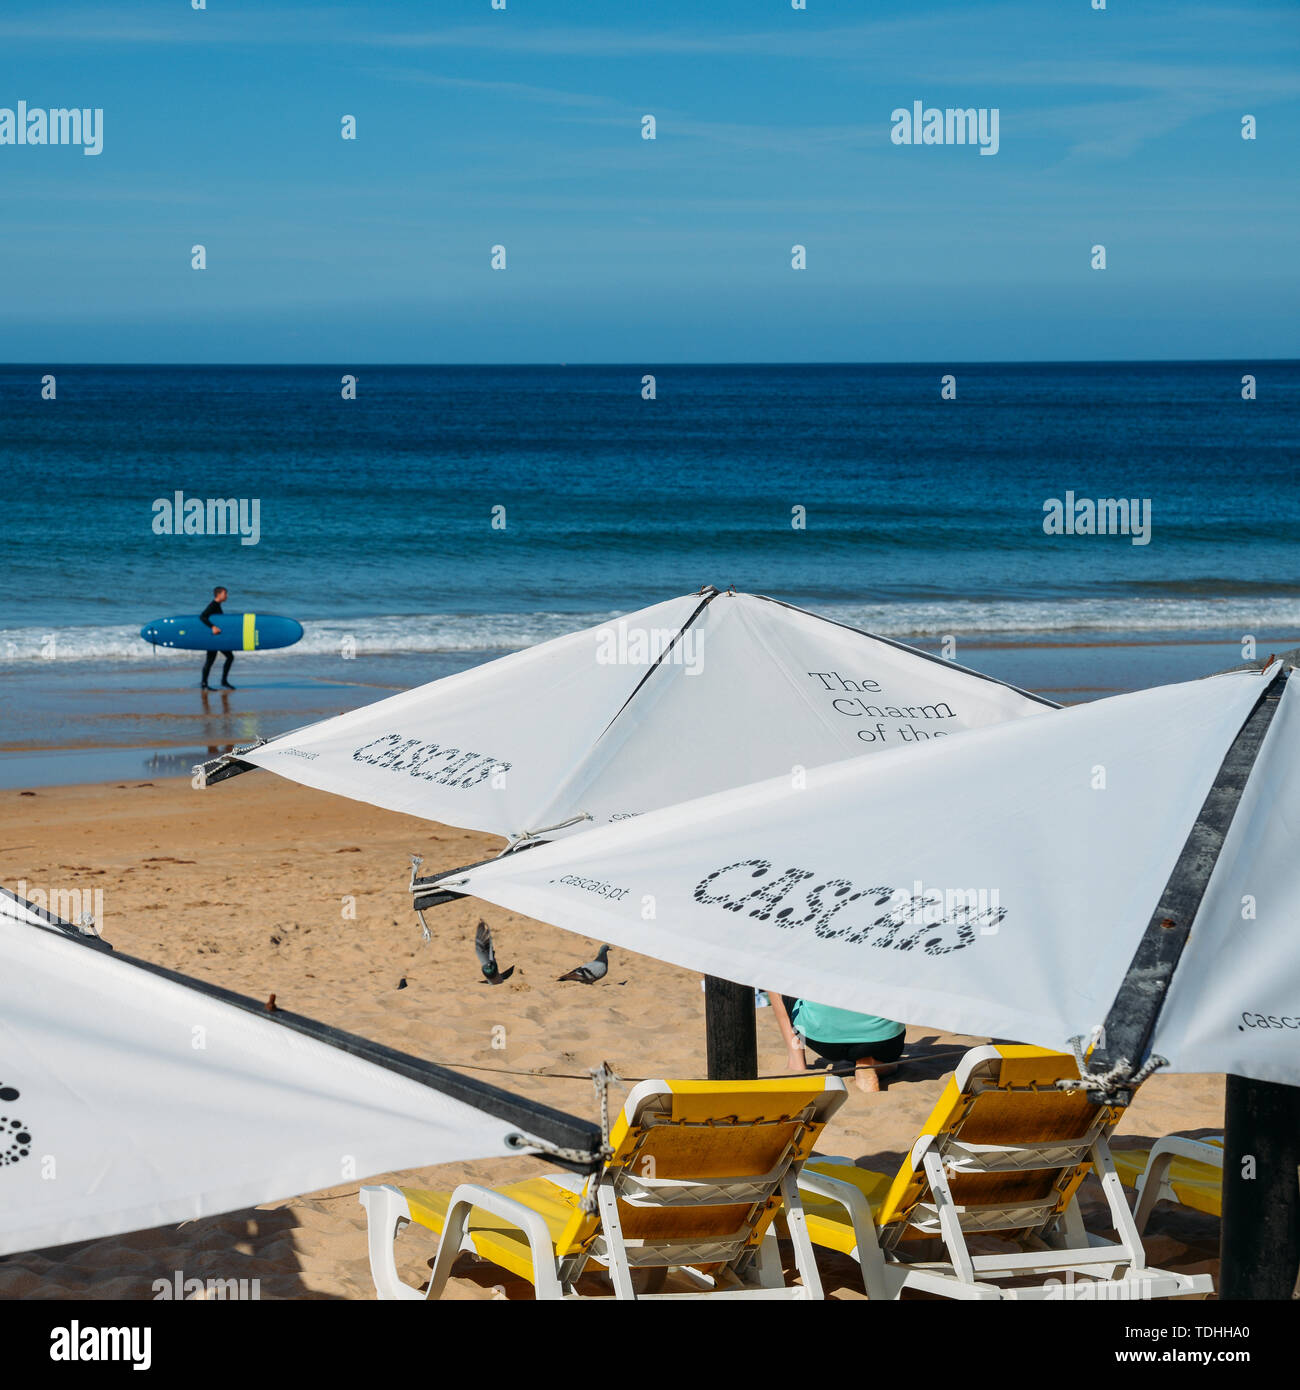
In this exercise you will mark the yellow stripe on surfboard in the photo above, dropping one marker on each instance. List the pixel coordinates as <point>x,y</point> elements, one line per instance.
<point>250,632</point>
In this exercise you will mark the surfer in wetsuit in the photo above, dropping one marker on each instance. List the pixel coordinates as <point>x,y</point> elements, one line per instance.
<point>219,596</point>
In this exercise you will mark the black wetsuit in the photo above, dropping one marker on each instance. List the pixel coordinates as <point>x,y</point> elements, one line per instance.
<point>205,617</point>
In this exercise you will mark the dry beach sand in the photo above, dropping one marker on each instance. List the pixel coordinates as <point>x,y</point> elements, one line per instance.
<point>243,885</point>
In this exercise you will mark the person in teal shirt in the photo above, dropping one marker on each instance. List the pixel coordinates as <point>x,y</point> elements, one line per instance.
<point>871,1043</point>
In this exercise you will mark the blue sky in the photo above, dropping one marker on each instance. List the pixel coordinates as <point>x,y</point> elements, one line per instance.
<point>522,127</point>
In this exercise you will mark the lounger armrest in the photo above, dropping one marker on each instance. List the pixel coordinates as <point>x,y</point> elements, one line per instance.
<point>855,1204</point>
<point>851,1198</point>
<point>530,1222</point>
<point>546,1275</point>
<point>386,1212</point>
<point>1180,1146</point>
<point>1154,1178</point>
<point>387,1209</point>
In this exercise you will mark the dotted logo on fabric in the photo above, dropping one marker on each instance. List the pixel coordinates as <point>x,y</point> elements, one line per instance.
<point>15,1140</point>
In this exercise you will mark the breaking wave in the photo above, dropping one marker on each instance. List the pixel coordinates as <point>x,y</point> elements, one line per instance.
<point>393,634</point>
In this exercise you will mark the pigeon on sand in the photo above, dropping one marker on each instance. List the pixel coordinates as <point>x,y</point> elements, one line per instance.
<point>593,970</point>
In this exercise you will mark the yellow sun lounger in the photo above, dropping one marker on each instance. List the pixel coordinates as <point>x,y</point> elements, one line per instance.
<point>698,1171</point>
<point>1174,1169</point>
<point>1002,1156</point>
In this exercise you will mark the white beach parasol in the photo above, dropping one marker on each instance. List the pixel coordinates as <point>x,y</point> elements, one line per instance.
<point>687,697</point>
<point>131,1096</point>
<point>998,884</point>
<point>1122,876</point>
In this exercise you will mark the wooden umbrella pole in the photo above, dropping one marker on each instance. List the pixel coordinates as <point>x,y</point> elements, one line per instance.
<point>1259,1245</point>
<point>730,1030</point>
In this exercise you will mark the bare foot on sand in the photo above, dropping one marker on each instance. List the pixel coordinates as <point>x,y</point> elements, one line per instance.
<point>869,1074</point>
<point>866,1076</point>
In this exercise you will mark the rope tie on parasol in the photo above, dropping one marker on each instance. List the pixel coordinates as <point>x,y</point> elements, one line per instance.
<point>1120,1077</point>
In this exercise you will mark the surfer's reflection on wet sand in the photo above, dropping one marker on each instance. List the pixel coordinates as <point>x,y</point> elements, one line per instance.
<point>205,696</point>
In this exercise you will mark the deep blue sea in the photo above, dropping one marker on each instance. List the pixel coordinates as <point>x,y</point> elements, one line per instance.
<point>922,515</point>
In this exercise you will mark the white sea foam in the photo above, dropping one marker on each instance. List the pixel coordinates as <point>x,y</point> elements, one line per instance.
<point>495,632</point>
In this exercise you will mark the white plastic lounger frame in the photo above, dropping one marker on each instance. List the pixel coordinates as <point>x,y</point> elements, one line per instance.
<point>747,1273</point>
<point>1154,1185</point>
<point>1069,1248</point>
<point>387,1212</point>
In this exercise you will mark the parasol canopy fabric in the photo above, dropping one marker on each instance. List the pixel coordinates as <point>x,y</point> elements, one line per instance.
<point>1234,1003</point>
<point>130,1097</point>
<point>997,884</point>
<point>675,701</point>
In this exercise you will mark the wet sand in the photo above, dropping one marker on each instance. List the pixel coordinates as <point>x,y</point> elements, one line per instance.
<point>63,723</point>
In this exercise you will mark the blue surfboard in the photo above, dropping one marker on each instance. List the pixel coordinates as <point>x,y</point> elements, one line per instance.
<point>240,632</point>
